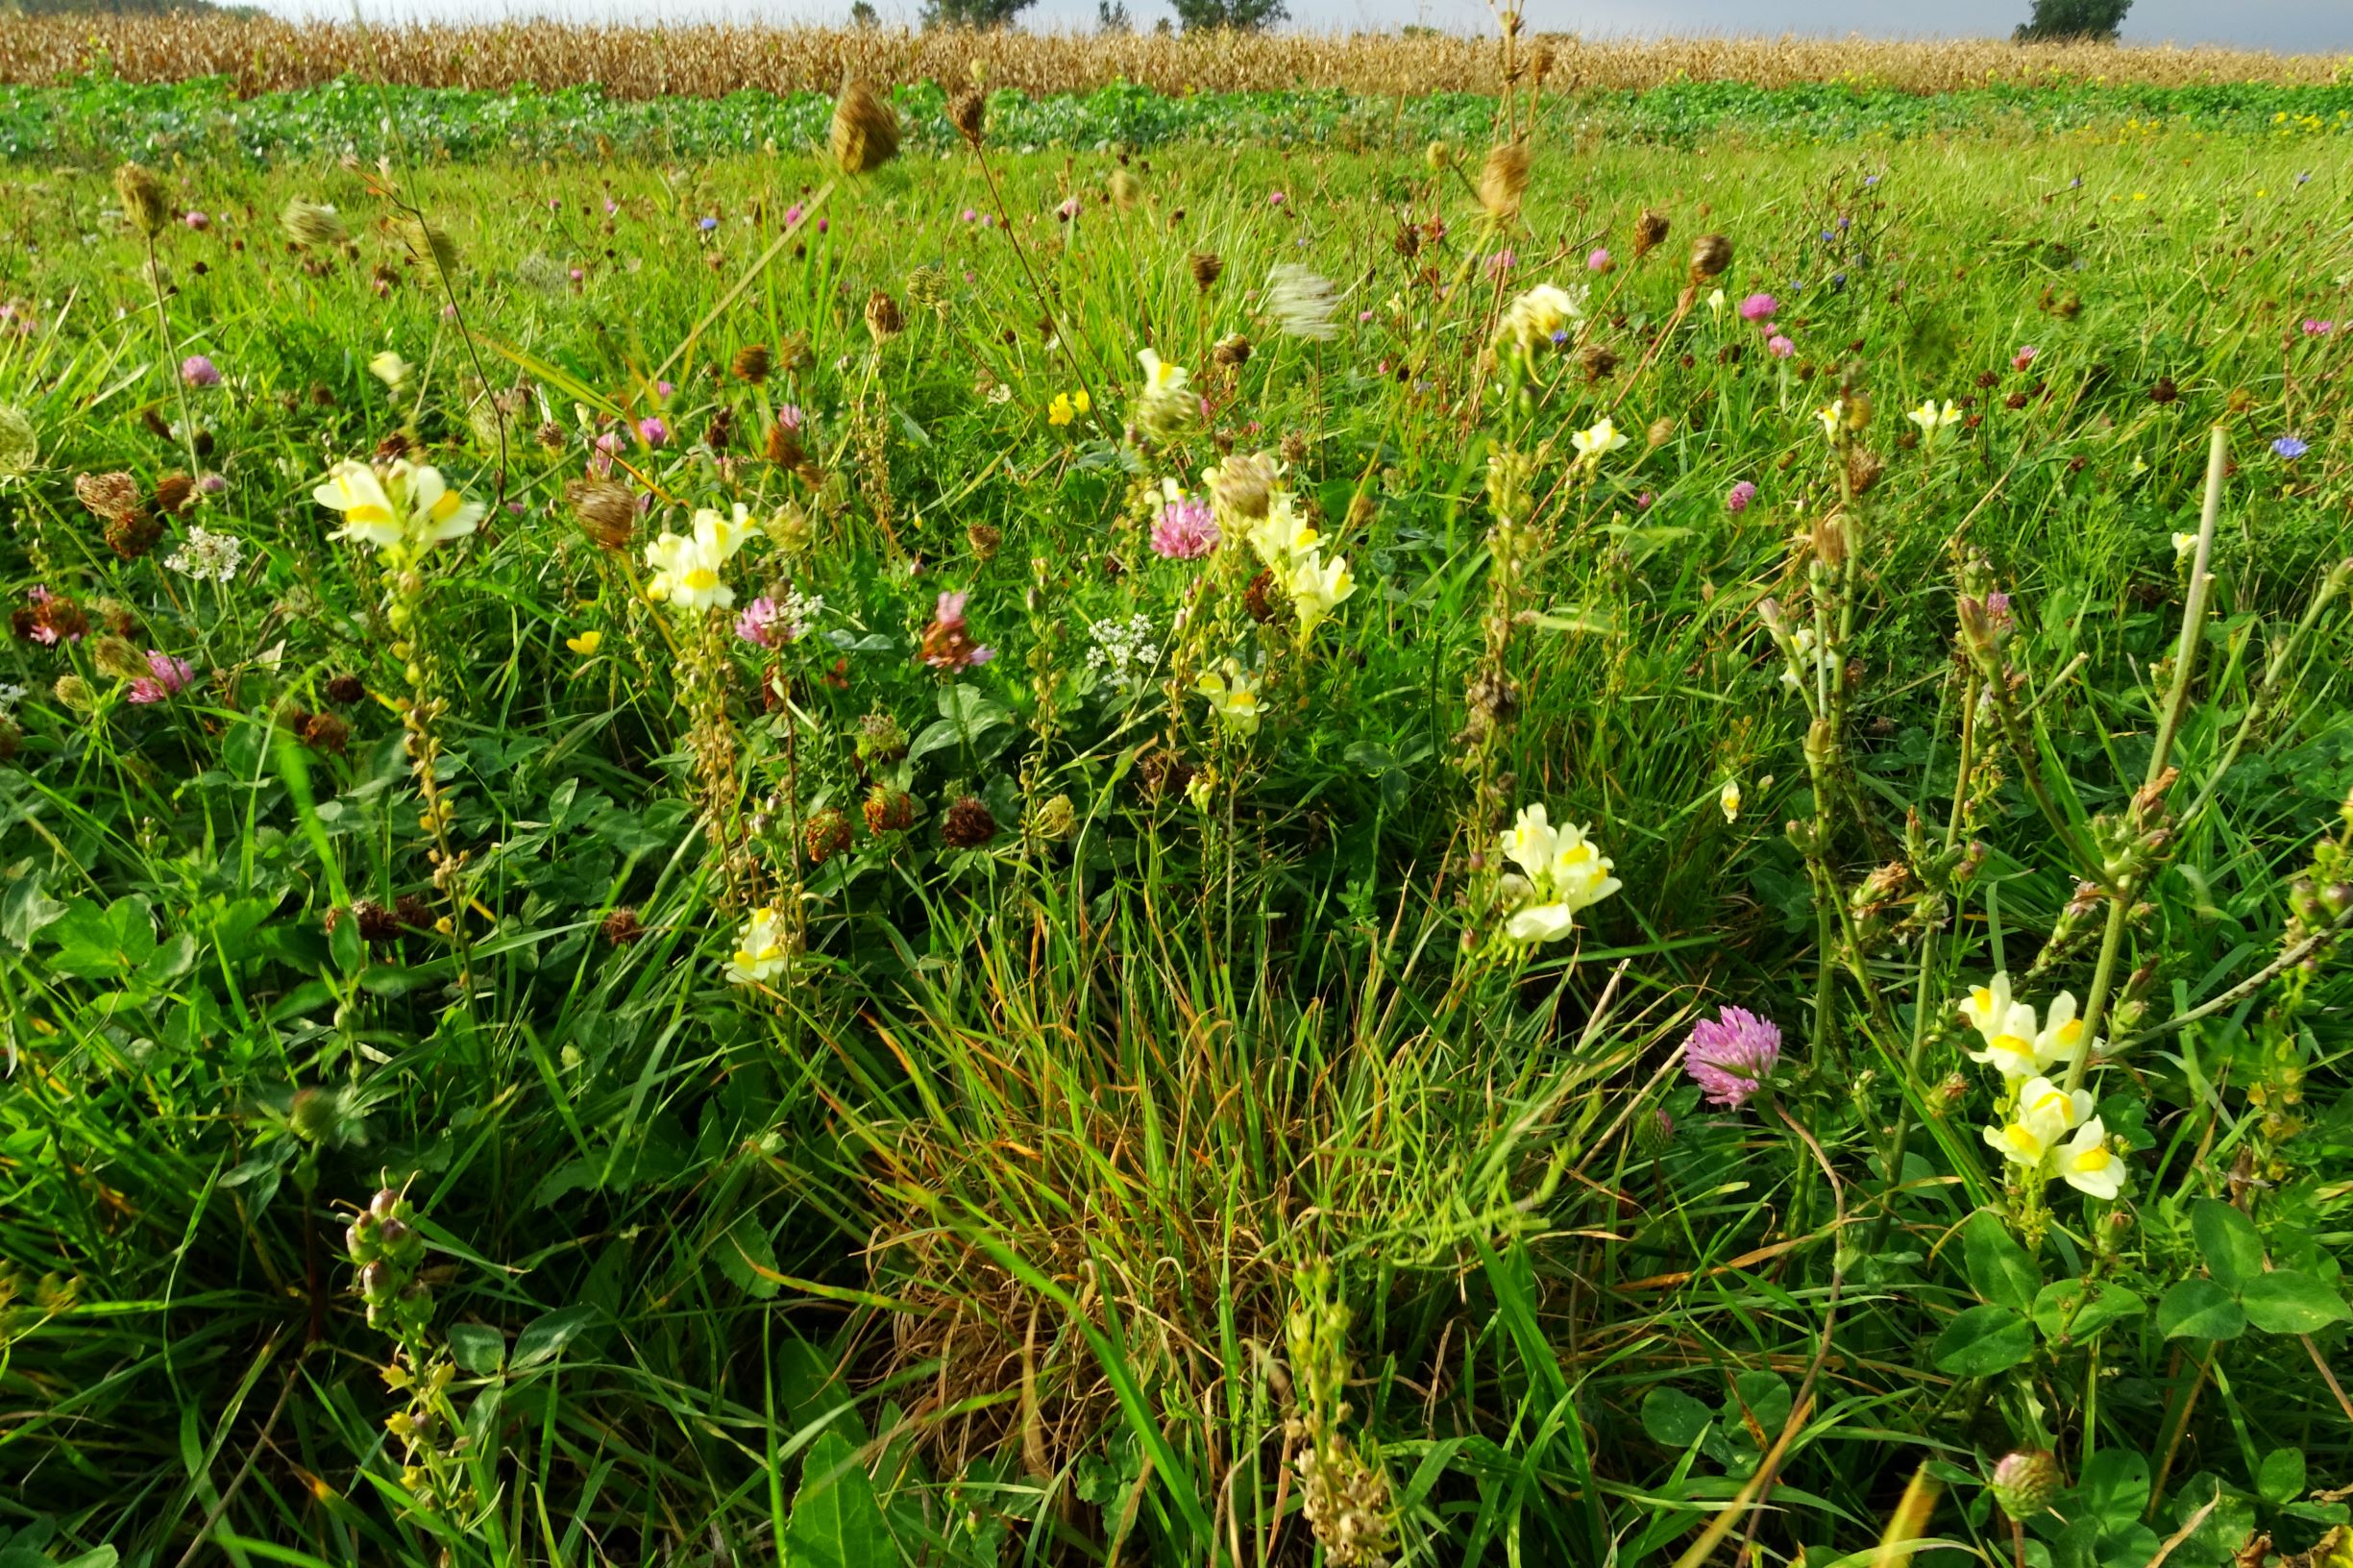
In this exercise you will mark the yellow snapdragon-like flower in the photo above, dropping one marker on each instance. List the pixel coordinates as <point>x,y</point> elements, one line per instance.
<point>1598,442</point>
<point>1068,406</point>
<point>1316,588</point>
<point>404,506</point>
<point>1563,871</point>
<point>1233,695</point>
<point>1531,319</point>
<point>760,950</point>
<point>1931,417</point>
<point>686,567</point>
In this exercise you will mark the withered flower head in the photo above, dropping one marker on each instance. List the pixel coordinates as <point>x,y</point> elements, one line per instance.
<point>142,196</point>
<point>969,825</point>
<point>752,363</point>
<point>1650,232</point>
<point>313,225</point>
<point>882,317</point>
<point>111,497</point>
<point>1503,178</point>
<point>865,129</point>
<point>969,113</point>
<point>1710,255</point>
<point>606,509</point>
<point>1207,267</point>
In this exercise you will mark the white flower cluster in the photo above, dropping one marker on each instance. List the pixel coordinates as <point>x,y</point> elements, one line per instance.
<point>1124,651</point>
<point>208,557</point>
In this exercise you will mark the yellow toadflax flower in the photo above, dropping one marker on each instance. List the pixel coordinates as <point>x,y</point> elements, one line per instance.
<point>1233,697</point>
<point>1931,417</point>
<point>1730,799</point>
<point>1165,407</point>
<point>1564,874</point>
<point>760,950</point>
<point>1317,587</point>
<point>1281,537</point>
<point>2089,1165</point>
<point>2044,1115</point>
<point>401,509</point>
<point>1597,443</point>
<point>1833,415</point>
<point>686,567</point>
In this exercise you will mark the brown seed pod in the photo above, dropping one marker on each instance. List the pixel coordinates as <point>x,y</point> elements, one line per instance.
<point>969,825</point>
<point>1503,178</point>
<point>325,732</point>
<point>1231,351</point>
<point>1650,232</point>
<point>1207,267</point>
<point>172,493</point>
<point>824,835</point>
<point>969,113</point>
<point>621,926</point>
<point>865,129</point>
<point>752,363</point>
<point>882,317</point>
<point>345,690</point>
<point>606,510</point>
<point>1710,255</point>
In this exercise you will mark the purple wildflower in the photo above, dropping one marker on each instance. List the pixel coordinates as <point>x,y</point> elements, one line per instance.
<point>1598,261</point>
<point>1731,1055</point>
<point>762,621</point>
<point>1738,497</point>
<point>707,224</point>
<point>1780,345</point>
<point>1184,531</point>
<point>2290,448</point>
<point>2314,328</point>
<point>168,677</point>
<point>1758,307</point>
<point>198,221</point>
<point>198,371</point>
<point>652,431</point>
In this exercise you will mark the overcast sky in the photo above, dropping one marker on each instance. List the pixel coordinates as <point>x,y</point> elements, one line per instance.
<point>2290,26</point>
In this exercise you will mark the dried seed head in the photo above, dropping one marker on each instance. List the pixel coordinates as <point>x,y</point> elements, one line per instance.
<point>142,196</point>
<point>984,538</point>
<point>1660,432</point>
<point>1710,255</point>
<point>1054,819</point>
<point>1437,156</point>
<point>824,835</point>
<point>621,926</point>
<point>313,225</point>
<point>172,493</point>
<point>882,317</point>
<point>607,511</point>
<point>1503,178</point>
<point>865,129</point>
<point>969,825</point>
<point>890,811</point>
<point>132,537</point>
<point>1207,266</point>
<point>752,363</point>
<point>118,657</point>
<point>75,693</point>
<point>783,447</point>
<point>345,689</point>
<point>325,732</point>
<point>112,497</point>
<point>1864,467</point>
<point>1126,191</point>
<point>1242,486</point>
<point>1650,232</point>
<point>969,113</point>
<point>1231,351</point>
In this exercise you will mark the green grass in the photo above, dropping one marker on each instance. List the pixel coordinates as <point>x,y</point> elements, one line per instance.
<point>1063,1185</point>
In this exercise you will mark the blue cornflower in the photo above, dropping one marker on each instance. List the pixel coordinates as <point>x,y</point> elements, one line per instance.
<point>708,224</point>
<point>2288,446</point>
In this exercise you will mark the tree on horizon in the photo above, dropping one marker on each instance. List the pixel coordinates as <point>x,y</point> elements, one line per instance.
<point>2055,22</point>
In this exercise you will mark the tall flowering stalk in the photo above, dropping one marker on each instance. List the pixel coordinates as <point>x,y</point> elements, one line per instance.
<point>404,511</point>
<point>690,577</point>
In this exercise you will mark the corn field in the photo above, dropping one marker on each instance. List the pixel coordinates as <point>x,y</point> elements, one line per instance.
<point>263,54</point>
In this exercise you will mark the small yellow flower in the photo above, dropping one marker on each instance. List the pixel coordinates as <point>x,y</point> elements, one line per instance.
<point>586,642</point>
<point>1930,418</point>
<point>1597,443</point>
<point>2183,543</point>
<point>1068,406</point>
<point>1730,799</point>
<point>1833,415</point>
<point>1233,697</point>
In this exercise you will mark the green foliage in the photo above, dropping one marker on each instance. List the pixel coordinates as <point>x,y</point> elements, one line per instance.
<point>1185,1113</point>
<point>2071,20</point>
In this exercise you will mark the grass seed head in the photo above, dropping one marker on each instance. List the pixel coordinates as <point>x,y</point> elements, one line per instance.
<point>313,225</point>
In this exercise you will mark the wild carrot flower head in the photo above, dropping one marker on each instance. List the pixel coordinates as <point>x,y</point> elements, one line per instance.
<point>1730,1055</point>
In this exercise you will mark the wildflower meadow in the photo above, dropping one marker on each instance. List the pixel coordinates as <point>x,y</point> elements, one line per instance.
<point>1524,837</point>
